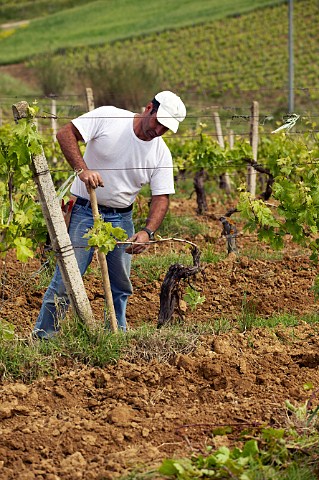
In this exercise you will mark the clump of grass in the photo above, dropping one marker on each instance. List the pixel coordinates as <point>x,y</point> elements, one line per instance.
<point>152,267</point>
<point>222,325</point>
<point>96,346</point>
<point>147,343</point>
<point>22,361</point>
<point>182,226</point>
<point>210,256</point>
<point>248,319</point>
<point>27,359</point>
<point>257,253</point>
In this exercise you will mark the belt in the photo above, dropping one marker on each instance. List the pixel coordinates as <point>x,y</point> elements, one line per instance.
<point>103,208</point>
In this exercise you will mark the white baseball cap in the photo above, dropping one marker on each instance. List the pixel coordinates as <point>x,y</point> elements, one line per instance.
<point>171,110</point>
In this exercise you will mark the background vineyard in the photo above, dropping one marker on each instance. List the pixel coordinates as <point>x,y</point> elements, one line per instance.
<point>129,19</point>
<point>228,62</point>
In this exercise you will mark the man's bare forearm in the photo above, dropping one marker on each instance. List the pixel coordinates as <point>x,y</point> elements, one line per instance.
<point>158,210</point>
<point>69,138</point>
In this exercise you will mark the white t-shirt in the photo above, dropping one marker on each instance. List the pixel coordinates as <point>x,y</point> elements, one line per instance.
<point>125,162</point>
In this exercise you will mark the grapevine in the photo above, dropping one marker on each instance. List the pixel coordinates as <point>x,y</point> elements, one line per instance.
<point>22,226</point>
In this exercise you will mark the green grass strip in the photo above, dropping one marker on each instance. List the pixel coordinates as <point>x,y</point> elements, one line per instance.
<point>101,22</point>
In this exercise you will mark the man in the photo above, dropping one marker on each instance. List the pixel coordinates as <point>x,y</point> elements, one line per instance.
<point>124,151</point>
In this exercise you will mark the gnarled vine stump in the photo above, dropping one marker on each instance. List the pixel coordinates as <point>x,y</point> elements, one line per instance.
<point>169,296</point>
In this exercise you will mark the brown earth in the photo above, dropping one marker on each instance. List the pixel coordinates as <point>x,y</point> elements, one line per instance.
<point>94,423</point>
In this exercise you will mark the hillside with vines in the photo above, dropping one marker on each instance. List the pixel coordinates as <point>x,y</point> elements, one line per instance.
<point>239,58</point>
<point>228,62</point>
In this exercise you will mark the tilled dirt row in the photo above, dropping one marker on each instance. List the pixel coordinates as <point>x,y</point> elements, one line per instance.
<point>92,423</point>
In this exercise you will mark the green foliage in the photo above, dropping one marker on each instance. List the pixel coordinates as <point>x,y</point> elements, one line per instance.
<point>193,297</point>
<point>104,236</point>
<point>51,73</point>
<point>21,222</point>
<point>295,170</point>
<point>108,76</point>
<point>6,330</point>
<point>268,455</point>
<point>199,150</point>
<point>259,217</point>
<point>113,20</point>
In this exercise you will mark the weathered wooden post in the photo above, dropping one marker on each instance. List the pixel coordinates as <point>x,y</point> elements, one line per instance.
<point>54,125</point>
<point>89,99</point>
<point>224,178</point>
<point>254,122</point>
<point>57,230</point>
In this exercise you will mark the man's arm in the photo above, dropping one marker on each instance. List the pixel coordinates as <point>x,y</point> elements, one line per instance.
<point>69,137</point>
<point>158,209</point>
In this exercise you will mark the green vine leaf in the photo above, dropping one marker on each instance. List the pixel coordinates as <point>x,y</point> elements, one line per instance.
<point>24,248</point>
<point>104,236</point>
<point>193,298</point>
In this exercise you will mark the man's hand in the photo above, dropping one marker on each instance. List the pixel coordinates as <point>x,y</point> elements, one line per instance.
<point>91,178</point>
<point>69,137</point>
<point>140,237</point>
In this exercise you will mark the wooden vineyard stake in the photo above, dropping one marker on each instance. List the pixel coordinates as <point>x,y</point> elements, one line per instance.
<point>57,230</point>
<point>89,99</point>
<point>254,122</point>
<point>104,269</point>
<point>224,178</point>
<point>54,124</point>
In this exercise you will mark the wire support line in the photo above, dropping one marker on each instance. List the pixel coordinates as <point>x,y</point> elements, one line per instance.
<point>26,282</point>
<point>236,134</point>
<point>196,105</point>
<point>43,172</point>
<point>264,117</point>
<point>225,165</point>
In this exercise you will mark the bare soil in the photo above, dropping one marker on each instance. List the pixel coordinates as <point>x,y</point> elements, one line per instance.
<point>93,423</point>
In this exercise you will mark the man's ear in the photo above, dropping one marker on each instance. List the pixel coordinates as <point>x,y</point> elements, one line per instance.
<point>148,107</point>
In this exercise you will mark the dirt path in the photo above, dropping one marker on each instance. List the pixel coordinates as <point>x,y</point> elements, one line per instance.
<point>9,25</point>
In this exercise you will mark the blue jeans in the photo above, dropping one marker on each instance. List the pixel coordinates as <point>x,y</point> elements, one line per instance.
<point>56,302</point>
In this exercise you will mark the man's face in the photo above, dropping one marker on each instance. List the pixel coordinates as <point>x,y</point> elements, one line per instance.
<point>150,126</point>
